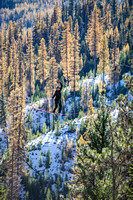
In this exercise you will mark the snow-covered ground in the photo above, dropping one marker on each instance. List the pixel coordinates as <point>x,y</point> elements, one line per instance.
<point>55,144</point>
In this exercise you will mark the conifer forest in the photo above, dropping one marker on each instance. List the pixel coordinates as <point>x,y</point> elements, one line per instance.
<point>76,55</point>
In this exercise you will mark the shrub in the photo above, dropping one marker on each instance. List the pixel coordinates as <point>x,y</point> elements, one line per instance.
<point>33,148</point>
<point>58,128</point>
<point>81,114</point>
<point>72,127</point>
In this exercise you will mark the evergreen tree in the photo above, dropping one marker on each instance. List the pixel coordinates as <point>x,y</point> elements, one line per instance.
<point>115,69</point>
<point>44,128</point>
<point>70,24</point>
<point>114,9</point>
<point>42,72</point>
<point>2,66</point>
<point>57,128</point>
<point>48,196</point>
<point>48,159</point>
<point>56,13</point>
<point>94,35</point>
<point>16,132</point>
<point>10,33</point>
<point>63,154</point>
<point>71,8</point>
<point>53,77</point>
<point>30,66</point>
<point>66,51</point>
<point>58,183</point>
<point>75,69</point>
<point>2,111</point>
<point>63,12</point>
<point>15,30</point>
<point>104,56</point>
<point>4,34</point>
<point>56,49</point>
<point>20,30</point>
<point>85,94</point>
<point>14,67</point>
<point>107,17</point>
<point>40,161</point>
<point>21,62</point>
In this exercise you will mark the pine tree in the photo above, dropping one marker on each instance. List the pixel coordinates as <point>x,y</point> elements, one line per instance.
<point>24,42</point>
<point>70,24</point>
<point>16,134</point>
<point>52,79</point>
<point>66,51</point>
<point>56,13</point>
<point>20,30</point>
<point>104,56</point>
<point>94,35</point>
<point>63,12</point>
<point>114,9</point>
<point>58,183</point>
<point>8,53</point>
<point>48,159</point>
<point>48,196</point>
<point>40,161</point>
<point>10,33</point>
<point>21,62</point>
<point>74,71</point>
<point>85,94</point>
<point>2,66</point>
<point>108,23</point>
<point>131,28</point>
<point>15,30</point>
<point>4,34</point>
<point>50,49</point>
<point>71,8</point>
<point>76,31</point>
<point>57,128</point>
<point>2,111</point>
<point>54,39</point>
<point>30,66</point>
<point>44,128</point>
<point>53,75</point>
<point>47,104</point>
<point>42,72</point>
<point>115,69</point>
<point>63,154</point>
<point>14,67</point>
